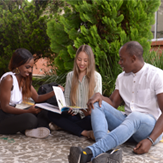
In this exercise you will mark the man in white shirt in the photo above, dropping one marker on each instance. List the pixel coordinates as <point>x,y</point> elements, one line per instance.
<point>140,87</point>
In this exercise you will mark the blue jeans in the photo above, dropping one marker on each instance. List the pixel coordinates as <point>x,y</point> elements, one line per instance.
<point>137,126</point>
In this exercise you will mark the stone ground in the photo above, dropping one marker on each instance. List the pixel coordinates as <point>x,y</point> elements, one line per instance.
<point>55,149</point>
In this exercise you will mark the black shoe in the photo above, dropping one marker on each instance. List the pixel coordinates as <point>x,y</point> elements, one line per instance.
<point>79,155</point>
<point>114,156</point>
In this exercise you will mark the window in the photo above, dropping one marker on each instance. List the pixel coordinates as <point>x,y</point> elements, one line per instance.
<point>157,28</point>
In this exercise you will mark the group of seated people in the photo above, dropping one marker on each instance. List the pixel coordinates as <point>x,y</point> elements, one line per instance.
<point>139,87</point>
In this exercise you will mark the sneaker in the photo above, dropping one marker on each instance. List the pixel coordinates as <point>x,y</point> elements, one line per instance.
<point>112,156</point>
<point>54,127</point>
<point>79,155</point>
<point>41,132</point>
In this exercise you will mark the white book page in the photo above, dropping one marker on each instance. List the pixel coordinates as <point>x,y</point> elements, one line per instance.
<point>59,96</point>
<point>48,107</point>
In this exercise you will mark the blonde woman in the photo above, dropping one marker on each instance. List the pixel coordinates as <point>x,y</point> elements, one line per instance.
<point>81,84</point>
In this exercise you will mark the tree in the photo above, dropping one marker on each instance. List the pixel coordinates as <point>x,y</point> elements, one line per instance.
<point>105,25</point>
<point>47,6</point>
<point>24,24</point>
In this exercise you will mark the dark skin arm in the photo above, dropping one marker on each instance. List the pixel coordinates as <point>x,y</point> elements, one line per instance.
<point>144,145</point>
<point>44,97</point>
<point>40,98</point>
<point>5,91</point>
<point>115,100</point>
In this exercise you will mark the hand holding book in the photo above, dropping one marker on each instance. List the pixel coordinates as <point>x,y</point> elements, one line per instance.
<point>86,112</point>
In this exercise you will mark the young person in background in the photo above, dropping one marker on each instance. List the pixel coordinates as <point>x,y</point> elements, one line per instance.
<point>81,84</point>
<point>16,86</point>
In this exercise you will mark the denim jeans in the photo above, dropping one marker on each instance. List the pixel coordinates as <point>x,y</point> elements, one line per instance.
<point>136,125</point>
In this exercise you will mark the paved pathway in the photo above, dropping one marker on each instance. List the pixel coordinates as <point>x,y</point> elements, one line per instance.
<point>54,149</point>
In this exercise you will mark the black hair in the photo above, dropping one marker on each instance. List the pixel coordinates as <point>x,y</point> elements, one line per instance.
<point>19,57</point>
<point>134,48</point>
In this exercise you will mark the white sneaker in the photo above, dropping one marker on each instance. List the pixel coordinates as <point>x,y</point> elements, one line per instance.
<point>41,132</point>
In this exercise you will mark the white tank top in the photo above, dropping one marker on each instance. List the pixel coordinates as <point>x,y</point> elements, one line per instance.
<point>16,93</point>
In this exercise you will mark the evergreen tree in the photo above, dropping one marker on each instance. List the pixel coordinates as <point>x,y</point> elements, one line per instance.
<point>24,24</point>
<point>105,25</point>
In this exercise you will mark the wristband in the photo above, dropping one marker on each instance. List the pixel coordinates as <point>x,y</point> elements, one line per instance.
<point>150,140</point>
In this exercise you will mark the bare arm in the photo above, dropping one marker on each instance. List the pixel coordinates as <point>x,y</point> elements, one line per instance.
<point>144,145</point>
<point>5,91</point>
<point>115,99</point>
<point>40,98</point>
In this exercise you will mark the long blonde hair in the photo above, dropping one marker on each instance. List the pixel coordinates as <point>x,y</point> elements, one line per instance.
<point>90,73</point>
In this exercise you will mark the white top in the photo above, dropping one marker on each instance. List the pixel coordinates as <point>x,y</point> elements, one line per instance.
<point>16,93</point>
<point>82,90</point>
<point>139,90</point>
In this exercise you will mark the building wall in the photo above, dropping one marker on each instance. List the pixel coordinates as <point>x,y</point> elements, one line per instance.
<point>157,46</point>
<point>41,67</point>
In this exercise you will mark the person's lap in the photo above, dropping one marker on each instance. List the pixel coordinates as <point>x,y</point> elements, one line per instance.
<point>11,124</point>
<point>72,124</point>
<point>84,123</point>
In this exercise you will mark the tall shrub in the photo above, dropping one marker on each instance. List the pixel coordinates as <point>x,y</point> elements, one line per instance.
<point>24,24</point>
<point>105,25</point>
<point>155,58</point>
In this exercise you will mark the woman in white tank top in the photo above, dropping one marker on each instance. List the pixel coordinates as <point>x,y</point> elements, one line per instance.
<point>16,86</point>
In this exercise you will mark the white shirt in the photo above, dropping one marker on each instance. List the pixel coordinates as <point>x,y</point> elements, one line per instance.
<point>16,93</point>
<point>139,91</point>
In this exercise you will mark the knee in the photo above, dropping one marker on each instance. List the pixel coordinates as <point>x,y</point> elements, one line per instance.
<point>103,106</point>
<point>30,120</point>
<point>96,107</point>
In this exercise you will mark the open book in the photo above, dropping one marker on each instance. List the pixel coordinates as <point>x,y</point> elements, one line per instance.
<point>46,106</point>
<point>57,109</point>
<point>61,100</point>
